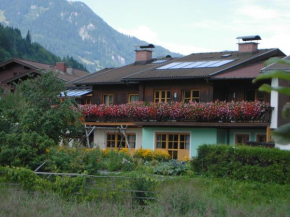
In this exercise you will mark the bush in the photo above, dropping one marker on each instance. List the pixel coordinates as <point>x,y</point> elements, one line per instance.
<point>244,163</point>
<point>74,160</point>
<point>149,155</point>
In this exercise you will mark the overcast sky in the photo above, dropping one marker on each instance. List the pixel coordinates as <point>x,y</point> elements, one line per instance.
<point>191,26</point>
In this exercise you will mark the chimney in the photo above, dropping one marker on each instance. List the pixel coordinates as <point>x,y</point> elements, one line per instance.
<point>70,71</point>
<point>144,55</point>
<point>61,66</point>
<point>248,45</point>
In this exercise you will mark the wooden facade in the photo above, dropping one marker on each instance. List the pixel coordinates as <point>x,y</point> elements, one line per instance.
<point>223,90</point>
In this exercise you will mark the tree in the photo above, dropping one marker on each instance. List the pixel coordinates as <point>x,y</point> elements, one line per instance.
<point>28,37</point>
<point>33,119</point>
<point>282,134</point>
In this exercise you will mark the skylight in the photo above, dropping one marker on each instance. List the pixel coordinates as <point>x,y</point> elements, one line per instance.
<point>197,64</point>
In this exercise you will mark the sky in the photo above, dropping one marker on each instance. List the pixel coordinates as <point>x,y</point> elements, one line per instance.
<point>193,26</point>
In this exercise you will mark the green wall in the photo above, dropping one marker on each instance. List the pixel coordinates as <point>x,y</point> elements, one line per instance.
<point>251,132</point>
<point>198,136</point>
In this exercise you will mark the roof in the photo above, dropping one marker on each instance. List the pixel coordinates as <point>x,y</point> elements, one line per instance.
<point>77,92</point>
<point>277,66</point>
<point>149,71</point>
<point>46,67</point>
<point>249,72</point>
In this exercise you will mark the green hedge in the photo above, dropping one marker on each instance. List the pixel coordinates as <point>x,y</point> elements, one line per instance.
<point>243,163</point>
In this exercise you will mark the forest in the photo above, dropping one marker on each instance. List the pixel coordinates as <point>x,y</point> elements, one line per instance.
<point>12,45</point>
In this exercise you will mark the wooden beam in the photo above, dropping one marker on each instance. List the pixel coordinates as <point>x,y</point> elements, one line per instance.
<point>110,123</point>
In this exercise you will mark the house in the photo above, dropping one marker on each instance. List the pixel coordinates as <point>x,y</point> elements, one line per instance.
<point>14,70</point>
<point>199,78</point>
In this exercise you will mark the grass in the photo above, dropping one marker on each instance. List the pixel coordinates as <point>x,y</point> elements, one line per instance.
<point>180,196</point>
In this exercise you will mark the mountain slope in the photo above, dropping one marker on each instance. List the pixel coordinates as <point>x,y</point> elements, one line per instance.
<point>13,45</point>
<point>72,28</point>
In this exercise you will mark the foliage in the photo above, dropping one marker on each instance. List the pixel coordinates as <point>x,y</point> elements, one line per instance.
<point>203,111</point>
<point>148,155</point>
<point>282,134</point>
<point>244,163</point>
<point>178,197</point>
<point>33,119</point>
<point>172,168</point>
<point>12,45</point>
<point>73,160</point>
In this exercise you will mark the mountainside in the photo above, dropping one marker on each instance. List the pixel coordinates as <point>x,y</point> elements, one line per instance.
<point>72,28</point>
<point>13,45</point>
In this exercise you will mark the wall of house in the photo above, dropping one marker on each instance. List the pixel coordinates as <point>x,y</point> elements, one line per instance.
<point>251,132</point>
<point>120,91</point>
<point>11,70</point>
<point>198,136</point>
<point>177,86</point>
<point>100,136</point>
<point>235,89</point>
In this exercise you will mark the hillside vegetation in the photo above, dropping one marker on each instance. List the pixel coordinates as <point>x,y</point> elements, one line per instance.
<point>65,27</point>
<point>12,45</point>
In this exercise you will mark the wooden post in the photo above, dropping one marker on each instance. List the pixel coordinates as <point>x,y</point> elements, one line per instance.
<point>268,135</point>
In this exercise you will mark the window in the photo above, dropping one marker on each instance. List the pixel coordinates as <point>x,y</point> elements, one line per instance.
<point>241,138</point>
<point>88,101</point>
<point>252,95</point>
<point>161,96</point>
<point>108,99</point>
<point>116,140</point>
<point>261,138</point>
<point>190,95</point>
<point>133,97</point>
<point>177,144</point>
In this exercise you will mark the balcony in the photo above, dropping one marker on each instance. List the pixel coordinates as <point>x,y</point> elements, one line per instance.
<point>192,113</point>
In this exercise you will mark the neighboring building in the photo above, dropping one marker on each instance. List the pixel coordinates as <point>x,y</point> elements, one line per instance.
<point>200,77</point>
<point>14,70</point>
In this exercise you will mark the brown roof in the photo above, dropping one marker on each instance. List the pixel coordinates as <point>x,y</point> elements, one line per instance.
<point>71,84</point>
<point>250,72</point>
<point>149,71</point>
<point>277,66</point>
<point>240,60</point>
<point>46,67</point>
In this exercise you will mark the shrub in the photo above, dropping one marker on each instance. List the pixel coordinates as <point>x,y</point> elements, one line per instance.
<point>74,160</point>
<point>245,163</point>
<point>149,155</point>
<point>173,167</point>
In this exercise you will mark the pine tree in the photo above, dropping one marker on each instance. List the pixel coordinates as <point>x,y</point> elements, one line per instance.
<point>28,37</point>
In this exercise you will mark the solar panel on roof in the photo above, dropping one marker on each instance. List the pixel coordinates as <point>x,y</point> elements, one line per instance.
<point>221,63</point>
<point>181,65</point>
<point>198,64</point>
<point>207,64</point>
<point>193,65</point>
<point>169,65</point>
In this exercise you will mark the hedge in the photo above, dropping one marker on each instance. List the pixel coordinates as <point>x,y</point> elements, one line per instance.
<point>243,163</point>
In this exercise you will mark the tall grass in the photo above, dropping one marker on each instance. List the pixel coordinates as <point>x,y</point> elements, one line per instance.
<point>178,197</point>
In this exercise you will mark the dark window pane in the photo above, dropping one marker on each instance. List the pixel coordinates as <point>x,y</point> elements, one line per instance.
<point>195,93</point>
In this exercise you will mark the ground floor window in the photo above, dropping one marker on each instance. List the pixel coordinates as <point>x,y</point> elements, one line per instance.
<point>177,144</point>
<point>261,138</point>
<point>116,140</point>
<point>241,138</point>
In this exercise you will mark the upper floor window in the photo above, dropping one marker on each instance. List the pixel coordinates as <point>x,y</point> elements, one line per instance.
<point>161,96</point>
<point>133,97</point>
<point>108,99</point>
<point>252,95</point>
<point>190,95</point>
